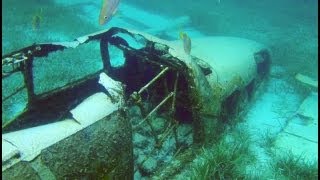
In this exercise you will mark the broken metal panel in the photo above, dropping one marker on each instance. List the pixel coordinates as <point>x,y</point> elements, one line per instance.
<point>308,110</point>
<point>55,106</point>
<point>31,141</point>
<point>28,144</point>
<point>307,80</point>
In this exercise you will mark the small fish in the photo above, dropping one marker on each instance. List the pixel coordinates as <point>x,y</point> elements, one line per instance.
<point>36,20</point>
<point>108,9</point>
<point>186,42</point>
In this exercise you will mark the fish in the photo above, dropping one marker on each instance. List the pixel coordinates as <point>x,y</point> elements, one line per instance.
<point>36,22</point>
<point>186,42</point>
<point>37,19</point>
<point>108,9</point>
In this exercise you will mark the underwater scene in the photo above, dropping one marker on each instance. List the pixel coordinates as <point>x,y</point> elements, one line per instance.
<point>150,89</point>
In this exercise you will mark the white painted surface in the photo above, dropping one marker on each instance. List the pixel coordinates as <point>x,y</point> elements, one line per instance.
<point>112,86</point>
<point>93,109</point>
<point>31,141</point>
<point>229,57</point>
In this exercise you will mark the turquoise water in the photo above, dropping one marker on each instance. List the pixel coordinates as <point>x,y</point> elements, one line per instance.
<point>272,123</point>
<point>288,27</point>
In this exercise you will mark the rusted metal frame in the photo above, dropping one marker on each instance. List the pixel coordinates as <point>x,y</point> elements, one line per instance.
<point>175,92</point>
<point>147,85</point>
<point>15,62</point>
<point>139,53</point>
<point>11,55</point>
<point>138,101</point>
<point>150,60</point>
<point>153,80</point>
<point>104,51</point>
<point>28,78</point>
<point>43,49</point>
<point>17,58</point>
<point>171,62</point>
<point>172,94</point>
<point>128,49</point>
<point>173,110</point>
<point>150,57</point>
<point>146,119</point>
<point>35,50</point>
<point>23,60</point>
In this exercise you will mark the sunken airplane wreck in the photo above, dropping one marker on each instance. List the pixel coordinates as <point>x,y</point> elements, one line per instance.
<point>67,107</point>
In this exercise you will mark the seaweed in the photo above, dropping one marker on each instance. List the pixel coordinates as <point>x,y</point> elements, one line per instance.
<point>291,166</point>
<point>226,159</point>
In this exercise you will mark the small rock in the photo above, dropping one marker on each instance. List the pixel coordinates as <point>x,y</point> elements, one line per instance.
<point>137,175</point>
<point>168,146</point>
<point>134,111</point>
<point>139,140</point>
<point>159,124</point>
<point>148,166</point>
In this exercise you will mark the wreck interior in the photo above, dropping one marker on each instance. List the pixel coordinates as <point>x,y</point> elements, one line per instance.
<point>147,74</point>
<point>156,84</point>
